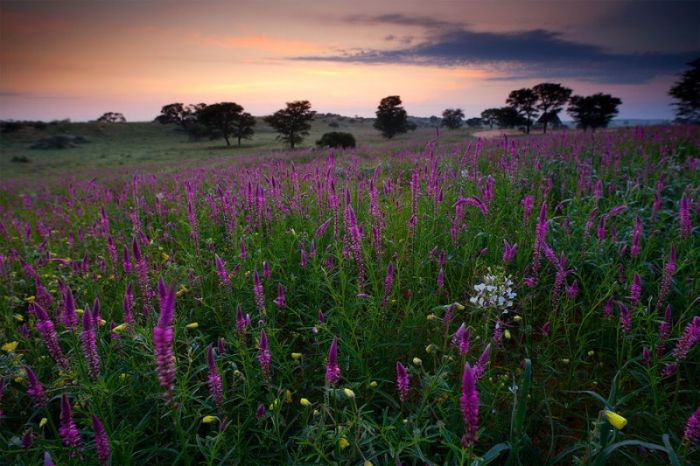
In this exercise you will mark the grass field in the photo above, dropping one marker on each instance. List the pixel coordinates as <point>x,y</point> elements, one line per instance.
<point>428,300</point>
<point>152,146</point>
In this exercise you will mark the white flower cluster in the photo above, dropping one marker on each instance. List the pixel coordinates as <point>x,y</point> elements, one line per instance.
<point>495,293</point>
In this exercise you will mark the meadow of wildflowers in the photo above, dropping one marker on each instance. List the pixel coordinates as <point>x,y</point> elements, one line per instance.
<point>511,301</point>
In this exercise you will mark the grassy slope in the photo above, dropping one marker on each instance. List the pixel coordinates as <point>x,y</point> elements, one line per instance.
<point>153,146</point>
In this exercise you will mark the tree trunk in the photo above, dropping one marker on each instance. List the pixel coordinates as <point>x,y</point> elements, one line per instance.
<point>545,123</point>
<point>527,126</point>
<point>239,139</point>
<point>228,143</point>
<point>291,139</point>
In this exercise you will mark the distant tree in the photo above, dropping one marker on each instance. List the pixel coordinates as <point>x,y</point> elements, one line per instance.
<point>434,120</point>
<point>112,117</point>
<point>292,122</point>
<point>452,118</point>
<point>179,114</point>
<point>508,117</point>
<point>686,92</point>
<point>391,117</point>
<point>551,98</point>
<point>222,118</point>
<point>490,116</point>
<point>474,122</point>
<point>593,111</point>
<point>523,101</point>
<point>336,139</point>
<point>243,126</point>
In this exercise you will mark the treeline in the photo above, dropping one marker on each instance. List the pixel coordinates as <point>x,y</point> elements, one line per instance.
<point>541,105</point>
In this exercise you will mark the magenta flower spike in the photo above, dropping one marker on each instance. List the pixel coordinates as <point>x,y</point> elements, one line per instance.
<point>460,340</point>
<point>163,339</point>
<point>635,289</point>
<point>242,254</point>
<point>403,383</point>
<point>221,270</point>
<point>625,318</point>
<point>691,336</point>
<point>101,441</point>
<point>258,293</point>
<point>215,386</point>
<point>332,369</point>
<point>46,329</point>
<point>691,434</point>
<point>480,366</point>
<point>67,429</point>
<point>279,300</point>
<point>264,356</point>
<point>128,307</point>
<point>508,251</point>
<point>669,269</point>
<point>47,459</point>
<point>469,405</point>
<point>664,329</point>
<point>126,260</point>
<point>88,339</point>
<point>70,318</point>
<point>388,281</point>
<point>241,322</point>
<point>636,235</point>
<point>35,389</point>
<point>473,202</point>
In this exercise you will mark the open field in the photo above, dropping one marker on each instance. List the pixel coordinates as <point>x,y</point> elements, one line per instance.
<point>428,300</point>
<point>152,146</point>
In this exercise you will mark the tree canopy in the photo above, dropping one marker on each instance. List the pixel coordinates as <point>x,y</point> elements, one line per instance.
<point>524,101</point>
<point>180,114</point>
<point>391,117</point>
<point>551,98</point>
<point>112,117</point>
<point>452,118</point>
<point>490,116</point>
<point>508,117</point>
<point>593,111</point>
<point>292,122</point>
<point>686,93</point>
<point>223,118</point>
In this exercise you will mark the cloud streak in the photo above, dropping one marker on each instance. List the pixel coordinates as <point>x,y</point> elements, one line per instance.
<point>527,54</point>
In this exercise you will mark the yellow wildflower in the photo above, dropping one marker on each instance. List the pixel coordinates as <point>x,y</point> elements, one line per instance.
<point>209,419</point>
<point>192,325</point>
<point>120,328</point>
<point>615,420</point>
<point>10,347</point>
<point>417,361</point>
<point>373,384</point>
<point>164,256</point>
<point>30,299</point>
<point>343,443</point>
<point>296,356</point>
<point>19,317</point>
<point>348,393</point>
<point>506,334</point>
<point>304,402</point>
<point>43,422</point>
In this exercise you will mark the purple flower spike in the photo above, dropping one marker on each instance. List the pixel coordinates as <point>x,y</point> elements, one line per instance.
<point>403,383</point>
<point>461,339</point>
<point>469,405</point>
<point>691,435</point>
<point>163,340</point>
<point>332,369</point>
<point>101,440</point>
<point>88,340</point>
<point>67,429</point>
<point>35,389</point>
<point>214,379</point>
<point>264,356</point>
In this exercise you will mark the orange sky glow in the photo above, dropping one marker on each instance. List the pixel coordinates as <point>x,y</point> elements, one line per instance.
<point>77,60</point>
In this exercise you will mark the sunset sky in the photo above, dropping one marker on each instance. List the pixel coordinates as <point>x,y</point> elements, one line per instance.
<point>79,59</point>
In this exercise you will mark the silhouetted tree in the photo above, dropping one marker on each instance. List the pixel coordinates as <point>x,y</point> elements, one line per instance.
<point>474,122</point>
<point>686,92</point>
<point>551,98</point>
<point>593,111</point>
<point>222,118</point>
<point>508,117</point>
<point>391,117</point>
<point>292,122</point>
<point>452,118</point>
<point>490,116</point>
<point>179,114</point>
<point>112,117</point>
<point>243,126</point>
<point>523,101</point>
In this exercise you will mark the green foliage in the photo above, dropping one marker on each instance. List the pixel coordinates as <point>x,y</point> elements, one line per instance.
<point>593,111</point>
<point>524,101</point>
<point>551,98</point>
<point>336,139</point>
<point>292,122</point>
<point>391,117</point>
<point>453,118</point>
<point>227,118</point>
<point>686,93</point>
<point>112,117</point>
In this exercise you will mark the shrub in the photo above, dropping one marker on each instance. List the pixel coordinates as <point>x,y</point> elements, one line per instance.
<point>336,139</point>
<point>19,159</point>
